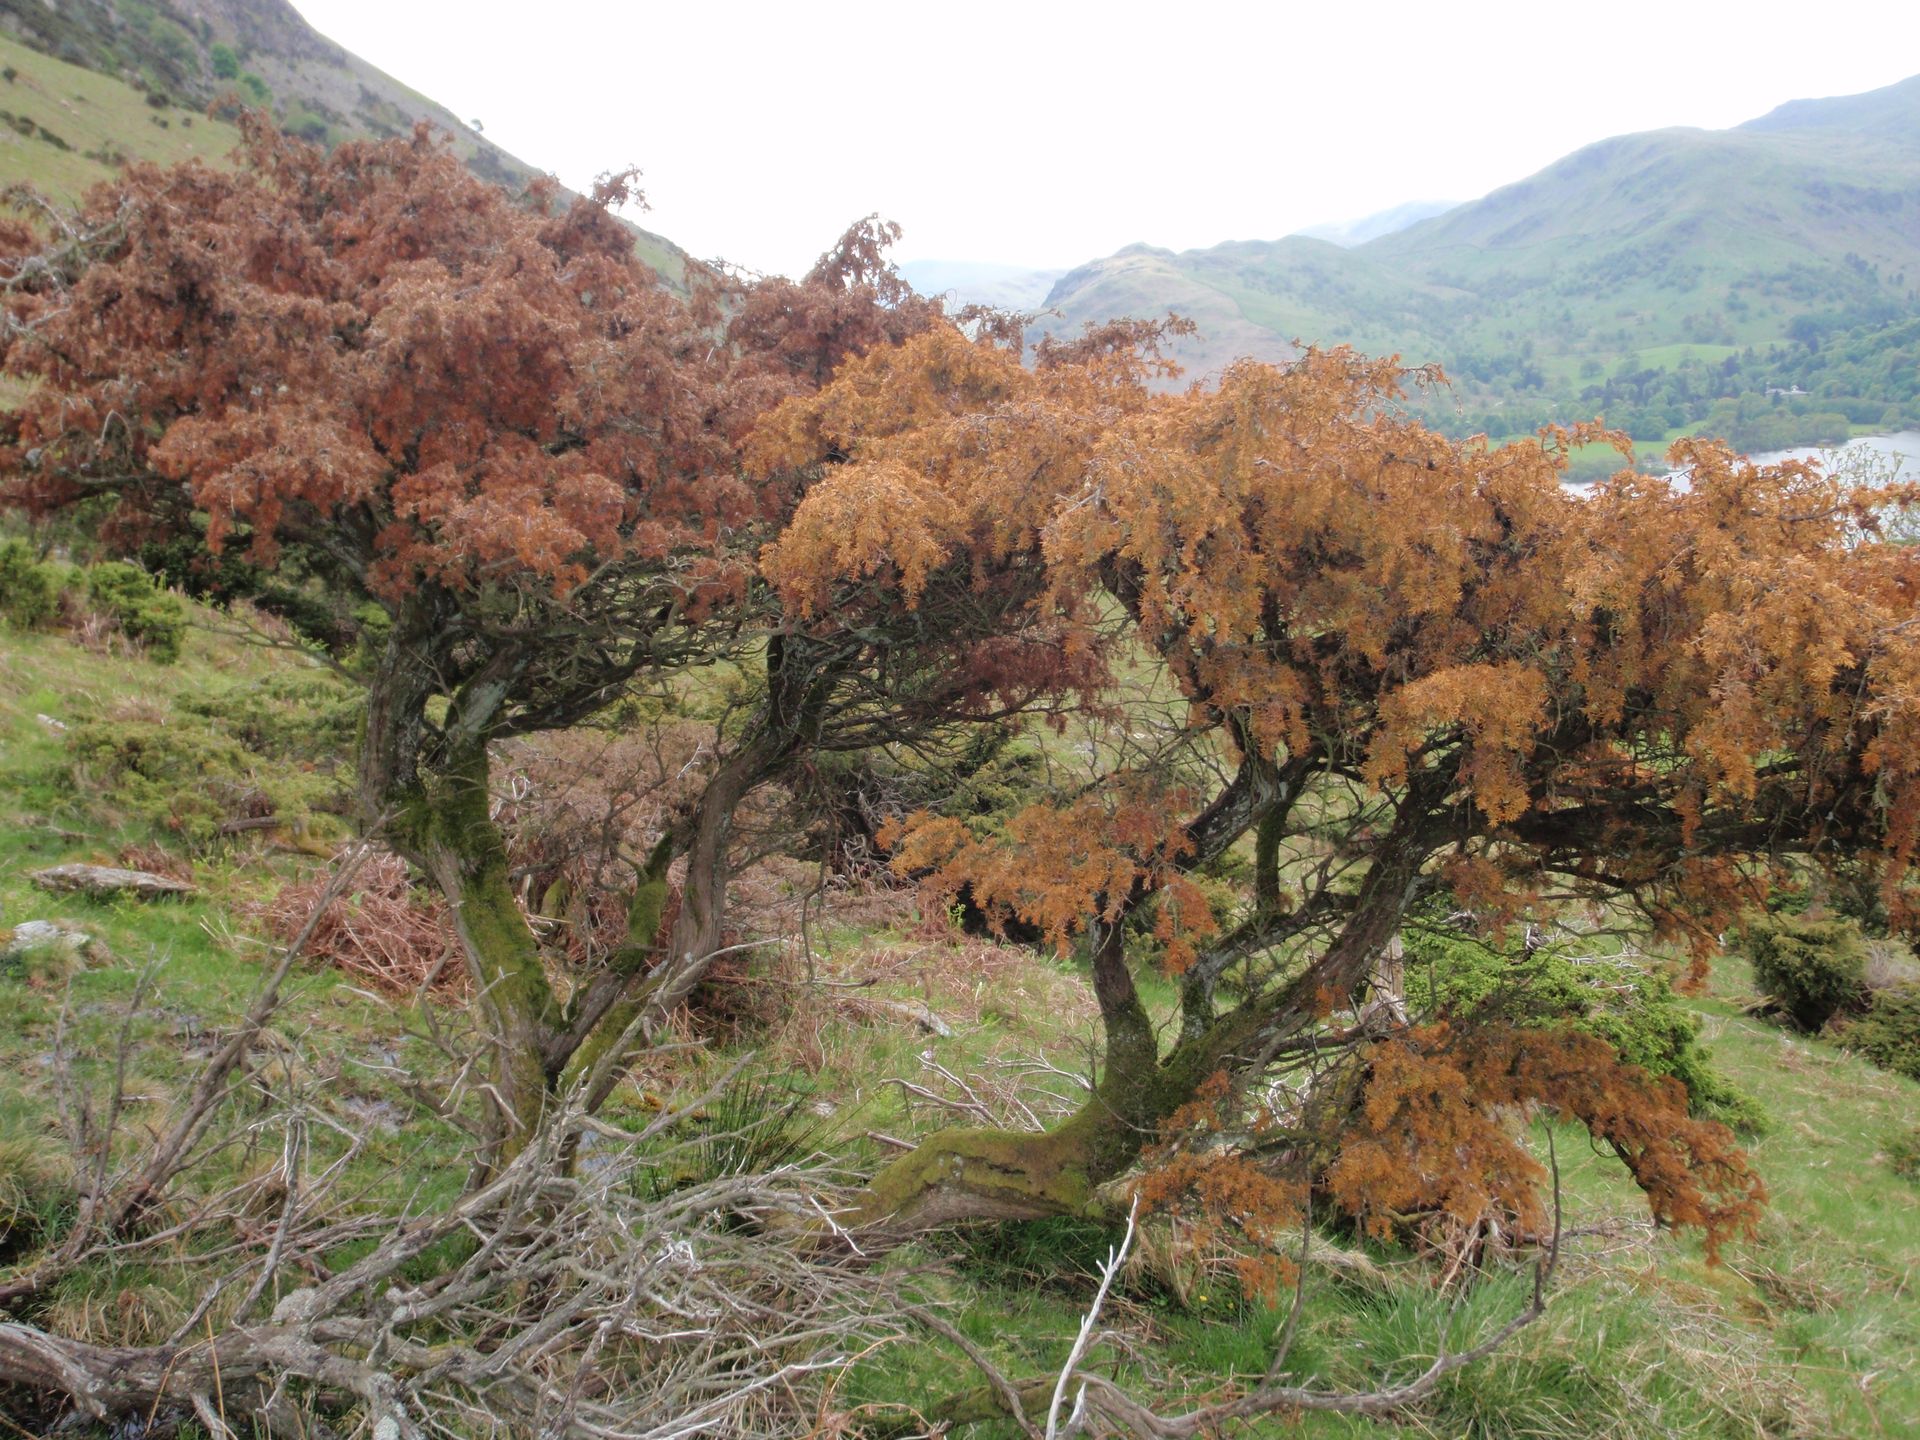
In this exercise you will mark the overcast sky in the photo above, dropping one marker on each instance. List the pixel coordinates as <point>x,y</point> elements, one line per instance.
<point>1046,133</point>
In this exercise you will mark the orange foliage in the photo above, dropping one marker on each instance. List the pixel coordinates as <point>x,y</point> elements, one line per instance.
<point>1058,867</point>
<point>1229,1199</point>
<point>1611,692</point>
<point>1434,1131</point>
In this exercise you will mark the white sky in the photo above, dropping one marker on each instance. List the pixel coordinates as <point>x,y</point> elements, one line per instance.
<point>1047,133</point>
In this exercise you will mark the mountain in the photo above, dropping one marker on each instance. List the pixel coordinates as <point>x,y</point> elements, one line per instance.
<point>1381,222</point>
<point>98,82</point>
<point>1646,252</point>
<point>967,282</point>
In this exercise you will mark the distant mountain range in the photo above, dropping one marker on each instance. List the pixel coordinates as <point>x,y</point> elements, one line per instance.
<point>1640,252</point>
<point>1759,281</point>
<point>1762,281</point>
<point>1381,222</point>
<point>967,282</point>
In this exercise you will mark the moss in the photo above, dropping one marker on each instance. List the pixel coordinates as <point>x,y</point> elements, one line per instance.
<point>448,822</point>
<point>998,1172</point>
<point>645,911</point>
<point>978,1173</point>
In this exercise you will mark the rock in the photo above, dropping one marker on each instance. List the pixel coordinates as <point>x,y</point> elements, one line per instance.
<point>103,882</point>
<point>32,937</point>
<point>911,1010</point>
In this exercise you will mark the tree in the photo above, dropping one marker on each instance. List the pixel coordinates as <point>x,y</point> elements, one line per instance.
<point>491,421</point>
<point>1409,666</point>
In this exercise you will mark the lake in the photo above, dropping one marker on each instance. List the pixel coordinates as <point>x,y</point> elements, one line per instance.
<point>1897,456</point>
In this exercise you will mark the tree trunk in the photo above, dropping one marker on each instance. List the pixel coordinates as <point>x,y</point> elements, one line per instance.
<point>982,1174</point>
<point>449,830</point>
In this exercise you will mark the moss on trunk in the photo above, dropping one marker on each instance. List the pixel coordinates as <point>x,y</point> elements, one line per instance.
<point>447,824</point>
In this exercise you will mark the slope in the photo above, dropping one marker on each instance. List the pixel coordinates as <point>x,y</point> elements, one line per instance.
<point>149,70</point>
<point>1798,225</point>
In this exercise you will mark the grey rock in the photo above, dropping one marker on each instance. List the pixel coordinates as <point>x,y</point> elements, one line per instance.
<point>32,937</point>
<point>103,882</point>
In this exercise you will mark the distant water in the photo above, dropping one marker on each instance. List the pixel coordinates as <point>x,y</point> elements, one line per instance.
<point>1895,456</point>
<point>1879,451</point>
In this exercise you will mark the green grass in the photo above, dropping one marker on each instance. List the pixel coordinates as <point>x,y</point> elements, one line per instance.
<point>1812,1330</point>
<point>177,973</point>
<point>91,113</point>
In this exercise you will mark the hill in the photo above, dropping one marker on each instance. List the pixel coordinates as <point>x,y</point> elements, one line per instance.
<point>1726,260</point>
<point>117,80</point>
<point>1807,1332</point>
<point>967,282</point>
<point>1381,222</point>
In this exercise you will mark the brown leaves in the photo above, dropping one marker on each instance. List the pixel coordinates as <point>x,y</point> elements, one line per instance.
<point>373,347</point>
<point>1430,1134</point>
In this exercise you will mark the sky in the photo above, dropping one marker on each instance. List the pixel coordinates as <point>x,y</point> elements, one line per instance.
<point>1047,133</point>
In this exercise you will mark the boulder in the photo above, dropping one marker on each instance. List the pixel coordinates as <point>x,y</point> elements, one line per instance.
<point>39,937</point>
<point>103,882</point>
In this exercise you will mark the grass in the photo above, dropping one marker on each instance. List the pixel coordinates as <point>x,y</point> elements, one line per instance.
<point>95,115</point>
<point>176,973</point>
<point>1811,1330</point>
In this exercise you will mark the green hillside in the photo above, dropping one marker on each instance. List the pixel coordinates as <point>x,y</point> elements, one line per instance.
<point>91,84</point>
<point>1807,1332</point>
<point>1724,262</point>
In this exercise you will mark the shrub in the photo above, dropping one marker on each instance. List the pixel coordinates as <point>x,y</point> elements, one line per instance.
<point>305,715</point>
<point>1629,1006</point>
<point>1903,1154</point>
<point>1814,969</point>
<point>184,774</point>
<point>226,64</point>
<point>29,589</point>
<point>1889,1033</point>
<point>147,615</point>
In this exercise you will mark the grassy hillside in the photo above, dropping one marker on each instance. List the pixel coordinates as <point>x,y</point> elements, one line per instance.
<point>67,128</point>
<point>132,80</point>
<point>1722,260</point>
<point>1810,1331</point>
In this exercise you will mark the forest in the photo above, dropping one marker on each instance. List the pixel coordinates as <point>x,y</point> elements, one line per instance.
<point>758,857</point>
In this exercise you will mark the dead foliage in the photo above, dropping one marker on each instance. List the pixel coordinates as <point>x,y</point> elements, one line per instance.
<point>383,930</point>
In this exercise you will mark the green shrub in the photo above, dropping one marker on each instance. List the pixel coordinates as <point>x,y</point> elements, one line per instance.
<point>1814,969</point>
<point>226,64</point>
<point>186,776</point>
<point>1632,1008</point>
<point>29,589</point>
<point>310,716</point>
<point>143,612</point>
<point>1903,1154</point>
<point>1889,1033</point>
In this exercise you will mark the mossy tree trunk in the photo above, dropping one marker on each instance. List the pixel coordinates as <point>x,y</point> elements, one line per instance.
<point>988,1174</point>
<point>425,786</point>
